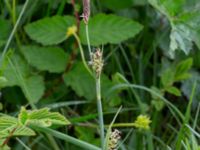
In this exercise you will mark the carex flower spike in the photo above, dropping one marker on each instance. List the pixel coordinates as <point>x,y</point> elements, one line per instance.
<point>114,138</point>
<point>86,11</point>
<point>97,62</point>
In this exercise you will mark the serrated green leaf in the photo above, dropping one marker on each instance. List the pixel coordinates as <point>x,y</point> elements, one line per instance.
<point>43,117</point>
<point>14,65</point>
<point>34,88</point>
<point>18,73</point>
<point>9,127</point>
<point>105,29</point>
<point>57,118</point>
<point>23,116</point>
<point>184,23</point>
<point>168,7</point>
<point>167,77</point>
<point>40,122</point>
<point>81,82</point>
<point>42,58</point>
<point>84,85</point>
<point>50,31</point>
<point>23,131</point>
<point>6,122</point>
<point>182,69</point>
<point>173,90</point>
<point>39,113</point>
<point>180,38</point>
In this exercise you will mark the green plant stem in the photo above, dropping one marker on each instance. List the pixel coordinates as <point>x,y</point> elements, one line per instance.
<point>14,21</point>
<point>181,134</point>
<point>98,93</point>
<point>88,41</point>
<point>135,94</point>
<point>8,6</point>
<point>13,32</point>
<point>100,110</point>
<point>82,54</point>
<point>67,138</point>
<point>52,142</point>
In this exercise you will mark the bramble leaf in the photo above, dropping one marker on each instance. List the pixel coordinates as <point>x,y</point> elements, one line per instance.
<point>18,73</point>
<point>49,31</point>
<point>52,59</point>
<point>182,69</point>
<point>184,23</point>
<point>9,127</point>
<point>113,29</point>
<point>41,117</point>
<point>173,90</point>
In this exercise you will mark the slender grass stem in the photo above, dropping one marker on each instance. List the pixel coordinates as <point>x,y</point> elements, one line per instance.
<point>13,32</point>
<point>67,138</point>
<point>169,104</point>
<point>100,111</point>
<point>23,144</point>
<point>8,6</point>
<point>14,21</point>
<point>88,40</point>
<point>82,54</point>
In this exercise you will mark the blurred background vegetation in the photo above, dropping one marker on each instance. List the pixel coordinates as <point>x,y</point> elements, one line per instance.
<point>152,62</point>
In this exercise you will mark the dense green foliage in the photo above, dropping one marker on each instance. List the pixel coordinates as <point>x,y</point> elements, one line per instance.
<point>149,84</point>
